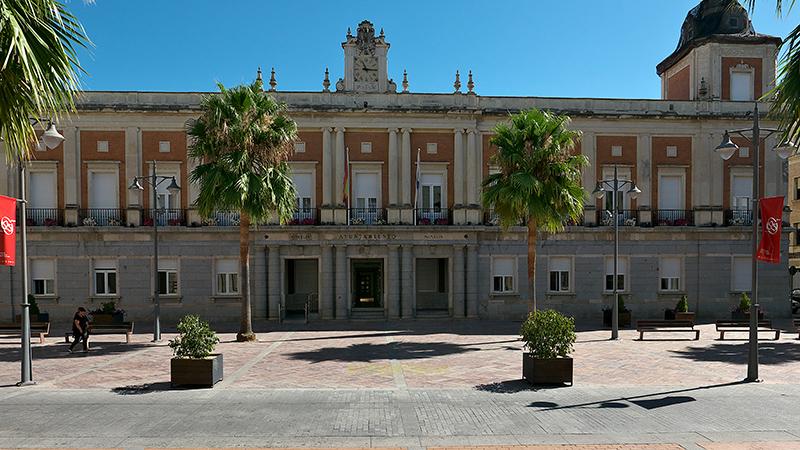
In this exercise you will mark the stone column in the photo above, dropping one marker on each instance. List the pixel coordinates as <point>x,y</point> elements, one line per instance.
<point>458,167</point>
<point>589,176</point>
<point>717,171</point>
<point>273,280</point>
<point>459,305</point>
<point>393,271</point>
<point>473,165</point>
<point>342,296</point>
<point>644,151</point>
<point>326,291</point>
<point>405,168</point>
<point>133,165</point>
<point>407,281</point>
<point>339,159</point>
<point>773,164</point>
<point>327,166</point>
<point>71,194</point>
<point>701,188</point>
<point>472,280</point>
<point>393,163</point>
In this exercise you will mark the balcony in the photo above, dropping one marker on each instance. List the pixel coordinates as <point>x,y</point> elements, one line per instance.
<point>433,216</point>
<point>738,217</point>
<point>625,217</point>
<point>367,216</point>
<point>223,219</point>
<point>673,217</point>
<point>305,216</point>
<point>44,217</point>
<point>165,217</point>
<point>101,217</point>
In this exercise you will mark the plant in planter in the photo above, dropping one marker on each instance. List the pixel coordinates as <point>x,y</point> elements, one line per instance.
<point>193,363</point>
<point>742,311</point>
<point>548,337</point>
<point>107,314</point>
<point>682,310</point>
<point>623,313</point>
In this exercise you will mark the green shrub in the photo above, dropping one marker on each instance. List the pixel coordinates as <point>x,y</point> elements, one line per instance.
<point>34,308</point>
<point>196,339</point>
<point>683,305</point>
<point>548,334</point>
<point>745,303</point>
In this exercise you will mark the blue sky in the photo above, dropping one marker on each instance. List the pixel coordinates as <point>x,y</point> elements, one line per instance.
<point>577,48</point>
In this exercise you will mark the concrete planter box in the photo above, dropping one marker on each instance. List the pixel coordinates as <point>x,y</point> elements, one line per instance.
<point>624,318</point>
<point>546,371</point>
<point>204,372</point>
<point>685,316</point>
<point>742,315</point>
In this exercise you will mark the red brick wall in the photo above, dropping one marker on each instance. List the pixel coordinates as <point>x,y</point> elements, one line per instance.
<point>659,159</point>
<point>678,85</point>
<point>116,152</point>
<point>177,153</point>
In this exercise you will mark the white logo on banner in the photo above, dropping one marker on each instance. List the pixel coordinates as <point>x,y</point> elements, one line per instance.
<point>8,225</point>
<point>772,225</point>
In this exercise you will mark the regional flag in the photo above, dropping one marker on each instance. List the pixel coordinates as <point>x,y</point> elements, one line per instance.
<point>769,250</point>
<point>8,222</point>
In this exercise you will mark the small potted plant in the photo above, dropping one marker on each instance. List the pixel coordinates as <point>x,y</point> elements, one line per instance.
<point>623,314</point>
<point>193,363</point>
<point>742,311</point>
<point>107,314</point>
<point>548,337</point>
<point>682,310</point>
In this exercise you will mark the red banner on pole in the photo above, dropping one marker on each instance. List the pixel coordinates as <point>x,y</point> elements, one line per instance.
<point>769,250</point>
<point>8,224</point>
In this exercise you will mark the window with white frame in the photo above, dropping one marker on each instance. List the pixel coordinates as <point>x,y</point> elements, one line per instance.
<point>103,187</point>
<point>623,201</point>
<point>741,274</point>
<point>741,192</point>
<point>622,269</point>
<point>431,192</point>
<point>366,190</point>
<point>227,276</point>
<point>432,148</point>
<point>672,151</point>
<point>616,150</point>
<point>744,152</point>
<point>164,146</point>
<point>669,269</point>
<point>503,268</point>
<point>366,147</point>
<point>560,269</point>
<point>300,147</point>
<point>102,146</point>
<point>42,189</point>
<point>105,277</point>
<point>43,276</point>
<point>168,277</point>
<point>304,187</point>
<point>797,188</point>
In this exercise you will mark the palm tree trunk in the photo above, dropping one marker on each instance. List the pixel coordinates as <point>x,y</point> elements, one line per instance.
<point>246,326</point>
<point>532,228</point>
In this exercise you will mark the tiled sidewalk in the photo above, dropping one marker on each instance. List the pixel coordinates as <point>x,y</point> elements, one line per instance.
<point>412,355</point>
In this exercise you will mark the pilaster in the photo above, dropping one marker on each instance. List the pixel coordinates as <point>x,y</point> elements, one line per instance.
<point>407,301</point>
<point>133,158</point>
<point>772,169</point>
<point>458,167</point>
<point>70,167</point>
<point>273,280</point>
<point>644,158</point>
<point>327,166</point>
<point>342,296</point>
<point>472,281</point>
<point>338,183</point>
<point>459,305</point>
<point>393,297</point>
<point>405,167</point>
<point>589,177</point>
<point>393,163</point>
<point>472,168</point>
<point>327,288</point>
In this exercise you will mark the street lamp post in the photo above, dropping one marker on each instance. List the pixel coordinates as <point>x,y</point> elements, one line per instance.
<point>154,181</point>
<point>615,185</point>
<point>50,139</point>
<point>726,150</point>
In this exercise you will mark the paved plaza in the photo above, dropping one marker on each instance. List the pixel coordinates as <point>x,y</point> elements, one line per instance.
<point>405,385</point>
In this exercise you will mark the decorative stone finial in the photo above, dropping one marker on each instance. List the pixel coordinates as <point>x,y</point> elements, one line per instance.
<point>470,84</point>
<point>272,82</point>
<point>382,35</point>
<point>703,91</point>
<point>349,33</point>
<point>258,74</point>
<point>326,83</point>
<point>405,81</point>
<point>457,84</point>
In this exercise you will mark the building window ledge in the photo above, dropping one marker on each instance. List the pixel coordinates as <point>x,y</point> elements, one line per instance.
<point>105,298</point>
<point>226,299</point>
<point>168,299</point>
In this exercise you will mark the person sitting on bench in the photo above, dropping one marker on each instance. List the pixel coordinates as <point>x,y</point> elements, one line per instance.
<point>80,329</point>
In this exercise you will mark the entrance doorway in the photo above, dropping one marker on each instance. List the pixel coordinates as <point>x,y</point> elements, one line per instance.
<point>367,280</point>
<point>433,293</point>
<point>301,281</point>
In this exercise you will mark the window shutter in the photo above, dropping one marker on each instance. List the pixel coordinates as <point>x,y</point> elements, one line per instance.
<point>106,264</point>
<point>302,183</point>
<point>227,266</point>
<point>41,190</point>
<point>504,266</point>
<point>670,268</point>
<point>167,264</point>
<point>560,264</point>
<point>622,265</point>
<point>43,269</point>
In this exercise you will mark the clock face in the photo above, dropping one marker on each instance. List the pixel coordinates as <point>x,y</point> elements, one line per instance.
<point>366,68</point>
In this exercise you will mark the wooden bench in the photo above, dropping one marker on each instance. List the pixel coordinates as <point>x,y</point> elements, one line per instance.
<point>743,326</point>
<point>666,326</point>
<point>796,323</point>
<point>125,328</point>
<point>41,329</point>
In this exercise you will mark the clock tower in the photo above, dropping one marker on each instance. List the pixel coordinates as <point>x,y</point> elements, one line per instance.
<point>365,64</point>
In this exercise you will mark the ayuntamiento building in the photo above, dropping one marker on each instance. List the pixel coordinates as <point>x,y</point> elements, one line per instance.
<point>687,233</point>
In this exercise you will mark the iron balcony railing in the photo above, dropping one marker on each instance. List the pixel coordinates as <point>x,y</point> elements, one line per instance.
<point>491,218</point>
<point>738,217</point>
<point>673,217</point>
<point>433,216</point>
<point>367,216</point>
<point>305,216</point>
<point>101,217</point>
<point>44,217</point>
<point>625,217</point>
<point>223,219</point>
<point>165,217</point>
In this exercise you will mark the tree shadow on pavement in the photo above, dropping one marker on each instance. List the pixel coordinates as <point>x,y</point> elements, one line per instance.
<point>139,389</point>
<point>59,350</point>
<point>373,352</point>
<point>771,353</point>
<point>515,386</point>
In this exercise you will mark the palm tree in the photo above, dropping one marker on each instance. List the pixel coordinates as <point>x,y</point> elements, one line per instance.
<point>539,180</point>
<point>38,68</point>
<point>786,94</point>
<point>242,140</point>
